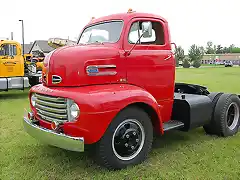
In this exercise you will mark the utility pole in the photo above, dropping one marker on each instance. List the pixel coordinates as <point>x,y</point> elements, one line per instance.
<point>22,36</point>
<point>11,35</point>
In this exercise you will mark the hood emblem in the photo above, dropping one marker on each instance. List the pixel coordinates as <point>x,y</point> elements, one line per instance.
<point>95,70</point>
<point>56,79</point>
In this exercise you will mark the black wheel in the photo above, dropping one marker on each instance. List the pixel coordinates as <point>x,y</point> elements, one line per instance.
<point>227,115</point>
<point>33,80</point>
<point>127,141</point>
<point>211,127</point>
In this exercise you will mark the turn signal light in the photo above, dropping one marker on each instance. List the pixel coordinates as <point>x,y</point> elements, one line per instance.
<point>54,125</point>
<point>30,115</point>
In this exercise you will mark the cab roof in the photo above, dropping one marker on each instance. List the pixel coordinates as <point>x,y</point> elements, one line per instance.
<point>126,17</point>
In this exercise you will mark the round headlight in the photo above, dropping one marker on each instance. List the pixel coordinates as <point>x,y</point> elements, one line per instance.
<point>33,100</point>
<point>74,111</point>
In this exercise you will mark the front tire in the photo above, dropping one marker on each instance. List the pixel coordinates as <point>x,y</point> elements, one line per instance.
<point>33,80</point>
<point>127,141</point>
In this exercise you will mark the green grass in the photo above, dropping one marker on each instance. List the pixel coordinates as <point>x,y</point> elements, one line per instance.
<point>176,155</point>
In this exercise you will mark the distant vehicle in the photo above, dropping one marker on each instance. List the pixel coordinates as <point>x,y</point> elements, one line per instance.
<point>228,64</point>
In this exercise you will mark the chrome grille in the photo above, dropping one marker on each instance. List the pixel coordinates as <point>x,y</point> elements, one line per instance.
<point>51,108</point>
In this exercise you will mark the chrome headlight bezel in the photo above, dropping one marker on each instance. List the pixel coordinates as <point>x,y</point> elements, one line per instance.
<point>73,110</point>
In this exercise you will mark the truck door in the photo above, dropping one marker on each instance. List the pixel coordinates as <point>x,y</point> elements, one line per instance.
<point>150,64</point>
<point>11,61</point>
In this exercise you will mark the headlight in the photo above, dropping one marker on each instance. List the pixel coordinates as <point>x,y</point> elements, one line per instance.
<point>73,110</point>
<point>33,100</point>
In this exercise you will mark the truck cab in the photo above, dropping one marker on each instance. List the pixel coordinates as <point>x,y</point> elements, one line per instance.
<point>11,59</point>
<point>116,87</point>
<point>15,71</point>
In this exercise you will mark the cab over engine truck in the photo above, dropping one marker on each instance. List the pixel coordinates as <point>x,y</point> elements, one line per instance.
<point>116,87</point>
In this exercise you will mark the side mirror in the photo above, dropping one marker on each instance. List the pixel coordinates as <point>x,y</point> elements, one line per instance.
<point>147,29</point>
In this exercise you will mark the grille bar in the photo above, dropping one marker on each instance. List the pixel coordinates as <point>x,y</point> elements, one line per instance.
<point>51,108</point>
<point>51,98</point>
<point>51,104</point>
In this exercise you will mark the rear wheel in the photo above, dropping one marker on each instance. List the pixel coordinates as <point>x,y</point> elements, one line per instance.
<point>127,141</point>
<point>225,119</point>
<point>228,114</point>
<point>211,127</point>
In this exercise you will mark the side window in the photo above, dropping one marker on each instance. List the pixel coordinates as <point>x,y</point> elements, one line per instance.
<point>157,37</point>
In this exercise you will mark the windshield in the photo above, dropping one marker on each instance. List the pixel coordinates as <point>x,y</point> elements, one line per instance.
<point>104,32</point>
<point>8,50</point>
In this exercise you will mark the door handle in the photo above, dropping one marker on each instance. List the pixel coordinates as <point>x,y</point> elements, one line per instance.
<point>167,58</point>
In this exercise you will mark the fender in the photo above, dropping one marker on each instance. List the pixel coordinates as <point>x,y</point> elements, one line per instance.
<point>99,104</point>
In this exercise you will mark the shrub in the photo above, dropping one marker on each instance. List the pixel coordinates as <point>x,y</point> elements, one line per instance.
<point>196,63</point>
<point>186,63</point>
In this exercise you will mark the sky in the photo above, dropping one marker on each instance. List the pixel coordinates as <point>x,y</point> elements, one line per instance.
<point>190,21</point>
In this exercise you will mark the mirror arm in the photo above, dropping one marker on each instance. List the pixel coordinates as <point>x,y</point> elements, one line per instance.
<point>175,48</point>
<point>127,53</point>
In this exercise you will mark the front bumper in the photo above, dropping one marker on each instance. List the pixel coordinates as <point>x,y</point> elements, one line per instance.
<point>52,138</point>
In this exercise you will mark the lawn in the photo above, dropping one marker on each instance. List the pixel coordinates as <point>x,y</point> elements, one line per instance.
<point>176,155</point>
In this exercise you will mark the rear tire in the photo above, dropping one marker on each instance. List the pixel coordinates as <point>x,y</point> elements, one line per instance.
<point>227,114</point>
<point>211,127</point>
<point>127,141</point>
<point>225,118</point>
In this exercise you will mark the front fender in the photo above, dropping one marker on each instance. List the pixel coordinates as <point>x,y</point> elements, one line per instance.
<point>99,104</point>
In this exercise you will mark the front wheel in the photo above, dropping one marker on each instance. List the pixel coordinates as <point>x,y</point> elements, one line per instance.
<point>33,80</point>
<point>127,141</point>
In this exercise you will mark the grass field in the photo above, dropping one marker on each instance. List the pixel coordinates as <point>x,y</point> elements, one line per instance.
<point>176,155</point>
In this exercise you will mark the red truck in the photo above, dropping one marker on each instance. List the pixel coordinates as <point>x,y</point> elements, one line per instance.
<point>116,88</point>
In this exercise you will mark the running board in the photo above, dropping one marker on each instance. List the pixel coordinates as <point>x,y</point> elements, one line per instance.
<point>172,124</point>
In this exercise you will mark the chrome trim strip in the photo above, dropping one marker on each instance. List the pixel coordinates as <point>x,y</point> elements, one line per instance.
<point>96,68</point>
<point>102,66</point>
<point>50,137</point>
<point>111,73</point>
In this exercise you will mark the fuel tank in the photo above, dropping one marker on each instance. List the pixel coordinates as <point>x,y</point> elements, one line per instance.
<point>81,65</point>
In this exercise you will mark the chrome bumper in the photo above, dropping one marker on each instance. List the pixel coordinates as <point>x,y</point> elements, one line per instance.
<point>52,138</point>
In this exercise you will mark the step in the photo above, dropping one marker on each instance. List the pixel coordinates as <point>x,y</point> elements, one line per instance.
<point>172,124</point>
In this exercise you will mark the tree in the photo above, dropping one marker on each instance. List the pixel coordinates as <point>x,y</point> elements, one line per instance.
<point>179,56</point>
<point>219,49</point>
<point>235,50</point>
<point>232,46</point>
<point>210,49</point>
<point>195,53</point>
